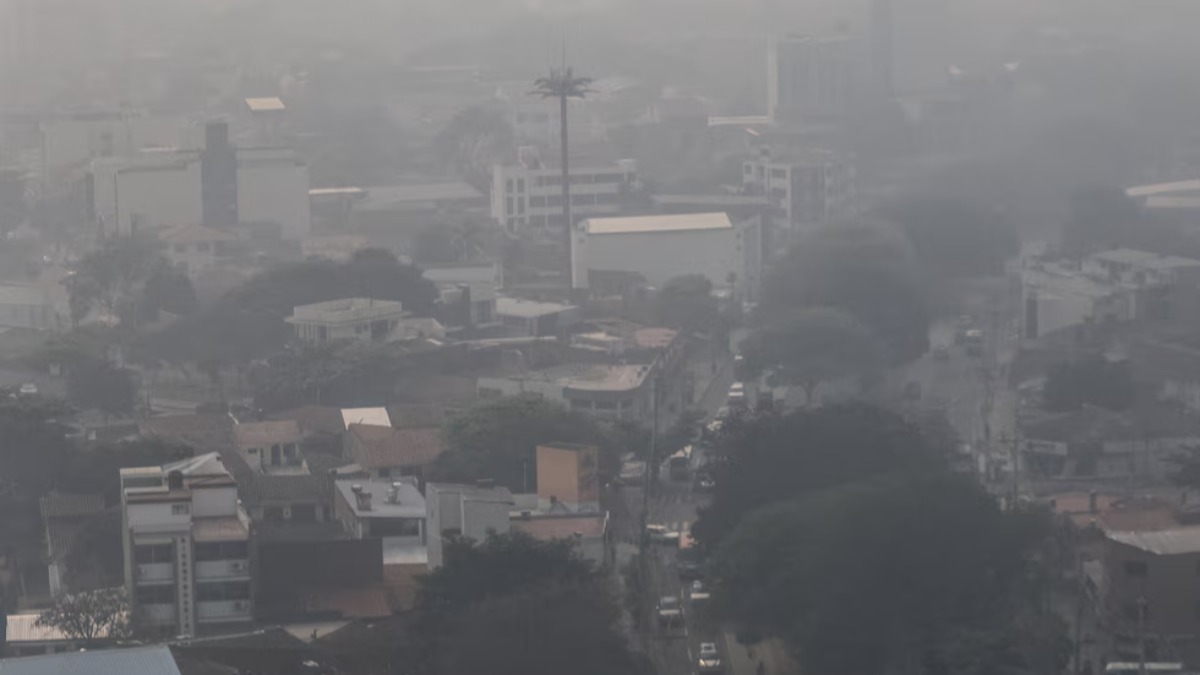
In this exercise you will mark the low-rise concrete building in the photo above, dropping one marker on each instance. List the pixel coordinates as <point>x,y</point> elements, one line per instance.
<point>609,391</point>
<point>589,532</point>
<point>469,511</point>
<point>361,319</point>
<point>194,249</point>
<point>527,318</point>
<point>390,510</point>
<point>659,248</point>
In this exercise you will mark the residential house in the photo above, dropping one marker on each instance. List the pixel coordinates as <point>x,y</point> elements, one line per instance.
<point>1148,590</point>
<point>203,433</point>
<point>270,447</point>
<point>568,478</point>
<point>362,319</point>
<point>602,390</point>
<point>659,248</point>
<point>470,511</point>
<point>1102,444</point>
<point>390,510</point>
<point>373,416</point>
<point>526,318</point>
<point>155,660</point>
<point>387,453</point>
<point>186,541</point>
<point>589,532</point>
<point>195,249</point>
<point>65,516</point>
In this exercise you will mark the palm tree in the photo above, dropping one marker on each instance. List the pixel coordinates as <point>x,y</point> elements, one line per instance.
<point>562,84</point>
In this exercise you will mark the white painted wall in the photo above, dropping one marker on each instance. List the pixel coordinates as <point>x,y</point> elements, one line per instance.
<point>158,516</point>
<point>273,187</point>
<point>208,502</point>
<point>660,256</point>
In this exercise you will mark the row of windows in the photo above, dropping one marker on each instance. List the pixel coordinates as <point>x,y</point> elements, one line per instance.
<point>155,595</point>
<point>157,553</point>
<point>223,591</point>
<point>583,179</point>
<point>223,550</point>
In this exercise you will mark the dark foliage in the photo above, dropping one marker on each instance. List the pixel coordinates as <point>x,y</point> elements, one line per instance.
<point>953,238</point>
<point>1090,381</point>
<point>767,458</point>
<point>102,386</point>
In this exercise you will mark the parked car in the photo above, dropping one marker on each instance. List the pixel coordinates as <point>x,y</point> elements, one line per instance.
<point>29,389</point>
<point>690,570</point>
<point>710,659</point>
<point>660,534</point>
<point>669,610</point>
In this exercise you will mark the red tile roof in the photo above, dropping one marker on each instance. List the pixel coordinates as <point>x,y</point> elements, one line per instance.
<point>374,447</point>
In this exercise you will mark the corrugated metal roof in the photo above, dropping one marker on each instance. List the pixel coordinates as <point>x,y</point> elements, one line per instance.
<point>1162,542</point>
<point>155,660</point>
<point>647,224</point>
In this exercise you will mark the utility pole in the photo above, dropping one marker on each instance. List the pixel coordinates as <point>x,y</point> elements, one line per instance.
<point>1141,633</point>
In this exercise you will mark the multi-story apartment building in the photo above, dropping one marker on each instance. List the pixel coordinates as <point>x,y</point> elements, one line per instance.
<point>527,195</point>
<point>807,188</point>
<point>812,78</point>
<point>187,548</point>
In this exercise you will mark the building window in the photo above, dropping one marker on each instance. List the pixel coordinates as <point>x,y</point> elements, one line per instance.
<point>180,509</point>
<point>273,514</point>
<point>223,591</point>
<point>222,550</point>
<point>1136,569</point>
<point>155,595</point>
<point>156,553</point>
<point>385,472</point>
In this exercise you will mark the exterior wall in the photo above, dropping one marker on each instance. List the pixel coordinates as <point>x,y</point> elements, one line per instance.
<point>1169,587</point>
<point>568,476</point>
<point>159,196</point>
<point>193,258</point>
<point>525,199</point>
<point>448,509</point>
<point>660,256</point>
<point>210,502</point>
<point>273,188</point>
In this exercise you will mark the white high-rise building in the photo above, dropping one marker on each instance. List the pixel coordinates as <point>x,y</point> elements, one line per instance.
<point>186,541</point>
<point>527,195</point>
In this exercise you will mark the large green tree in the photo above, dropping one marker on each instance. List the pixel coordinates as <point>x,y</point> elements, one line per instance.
<point>498,440</point>
<point>686,303</point>
<point>895,574</point>
<point>33,446</point>
<point>112,279</point>
<point>102,386</point>
<point>765,458</point>
<point>953,238</point>
<point>812,346</point>
<point>867,270</point>
<point>248,322</point>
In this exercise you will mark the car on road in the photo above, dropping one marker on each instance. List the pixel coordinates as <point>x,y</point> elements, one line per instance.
<point>690,570</point>
<point>737,394</point>
<point>698,592</point>
<point>710,658</point>
<point>28,389</point>
<point>669,610</point>
<point>662,535</point>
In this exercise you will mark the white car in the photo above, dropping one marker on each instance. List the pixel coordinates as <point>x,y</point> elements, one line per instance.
<point>29,389</point>
<point>661,534</point>
<point>710,660</point>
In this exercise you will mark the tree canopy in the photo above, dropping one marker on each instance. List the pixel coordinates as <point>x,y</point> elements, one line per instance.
<point>883,575</point>
<point>515,604</point>
<point>811,346</point>
<point>102,386</point>
<point>686,303</point>
<point>113,279</point>
<point>1089,381</point>
<point>765,458</point>
<point>90,615</point>
<point>247,323</point>
<point>498,440</point>
<point>33,446</point>
<point>953,238</point>
<point>866,270</point>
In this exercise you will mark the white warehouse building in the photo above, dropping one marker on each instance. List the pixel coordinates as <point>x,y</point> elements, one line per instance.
<point>661,247</point>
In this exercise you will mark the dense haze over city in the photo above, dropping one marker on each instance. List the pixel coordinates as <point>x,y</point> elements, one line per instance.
<point>668,337</point>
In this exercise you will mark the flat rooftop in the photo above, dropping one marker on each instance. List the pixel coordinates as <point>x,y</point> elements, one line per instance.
<point>346,309</point>
<point>265,104</point>
<point>650,224</point>
<point>528,309</point>
<point>409,502</point>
